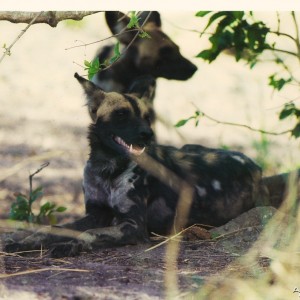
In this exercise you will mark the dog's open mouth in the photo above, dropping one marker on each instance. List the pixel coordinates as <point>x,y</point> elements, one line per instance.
<point>132,149</point>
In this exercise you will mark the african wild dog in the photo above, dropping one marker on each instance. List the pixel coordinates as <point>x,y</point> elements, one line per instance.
<point>157,56</point>
<point>126,199</point>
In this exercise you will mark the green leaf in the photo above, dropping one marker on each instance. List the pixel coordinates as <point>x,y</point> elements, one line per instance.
<point>117,49</point>
<point>296,131</point>
<point>182,122</point>
<point>202,13</point>
<point>278,84</point>
<point>117,53</point>
<point>134,20</point>
<point>93,67</point>
<point>20,209</point>
<point>45,208</point>
<point>36,194</point>
<point>214,17</point>
<point>208,55</point>
<point>87,63</point>
<point>289,109</point>
<point>144,34</point>
<point>238,14</point>
<point>61,209</point>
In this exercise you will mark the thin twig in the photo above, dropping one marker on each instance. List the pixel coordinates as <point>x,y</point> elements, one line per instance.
<point>36,172</point>
<point>169,238</point>
<point>286,68</point>
<point>7,51</point>
<point>240,125</point>
<point>297,33</point>
<point>283,34</point>
<point>245,126</point>
<point>30,185</point>
<point>284,51</point>
<point>102,40</point>
<point>278,21</point>
<point>41,270</point>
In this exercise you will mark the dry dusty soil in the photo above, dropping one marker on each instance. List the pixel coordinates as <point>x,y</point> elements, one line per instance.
<point>133,271</point>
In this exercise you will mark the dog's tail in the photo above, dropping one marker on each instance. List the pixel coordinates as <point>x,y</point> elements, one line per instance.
<point>278,187</point>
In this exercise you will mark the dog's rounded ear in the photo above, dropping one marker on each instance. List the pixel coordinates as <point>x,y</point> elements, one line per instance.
<point>154,17</point>
<point>117,23</point>
<point>95,95</point>
<point>89,87</point>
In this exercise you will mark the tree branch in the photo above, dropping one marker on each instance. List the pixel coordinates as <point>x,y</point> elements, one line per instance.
<point>7,49</point>
<point>199,113</point>
<point>283,51</point>
<point>51,18</point>
<point>297,33</point>
<point>245,126</point>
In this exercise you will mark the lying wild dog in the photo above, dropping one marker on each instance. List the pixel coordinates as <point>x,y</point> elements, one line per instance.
<point>157,56</point>
<point>127,198</point>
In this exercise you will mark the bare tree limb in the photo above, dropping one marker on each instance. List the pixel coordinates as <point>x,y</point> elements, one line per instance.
<point>7,49</point>
<point>51,18</point>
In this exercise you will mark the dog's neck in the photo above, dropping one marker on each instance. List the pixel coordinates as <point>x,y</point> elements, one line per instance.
<point>110,165</point>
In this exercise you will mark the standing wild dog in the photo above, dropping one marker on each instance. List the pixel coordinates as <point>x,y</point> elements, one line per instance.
<point>157,56</point>
<point>127,197</point>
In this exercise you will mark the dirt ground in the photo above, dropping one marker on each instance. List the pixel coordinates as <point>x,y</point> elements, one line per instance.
<point>43,119</point>
<point>133,271</point>
<point>117,273</point>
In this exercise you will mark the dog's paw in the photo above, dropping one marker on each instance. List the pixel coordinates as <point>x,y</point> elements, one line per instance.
<point>13,247</point>
<point>13,242</point>
<point>67,249</point>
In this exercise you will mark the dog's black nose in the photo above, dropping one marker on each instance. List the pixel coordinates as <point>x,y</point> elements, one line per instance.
<point>146,134</point>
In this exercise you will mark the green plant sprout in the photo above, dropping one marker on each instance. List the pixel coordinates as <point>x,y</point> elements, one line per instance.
<point>21,209</point>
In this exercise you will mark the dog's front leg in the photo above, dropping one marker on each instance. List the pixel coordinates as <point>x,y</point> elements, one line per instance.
<point>129,227</point>
<point>126,232</point>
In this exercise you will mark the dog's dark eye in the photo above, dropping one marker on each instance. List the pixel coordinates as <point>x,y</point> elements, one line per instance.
<point>166,51</point>
<point>148,118</point>
<point>93,111</point>
<point>122,113</point>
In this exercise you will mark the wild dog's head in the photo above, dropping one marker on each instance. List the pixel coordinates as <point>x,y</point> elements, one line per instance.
<point>121,122</point>
<point>158,55</point>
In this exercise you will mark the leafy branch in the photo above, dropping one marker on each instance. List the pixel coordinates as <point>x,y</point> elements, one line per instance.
<point>95,66</point>
<point>289,111</point>
<point>241,34</point>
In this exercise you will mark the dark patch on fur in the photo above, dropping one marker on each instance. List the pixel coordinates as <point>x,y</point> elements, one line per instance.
<point>134,105</point>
